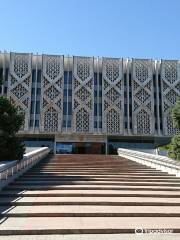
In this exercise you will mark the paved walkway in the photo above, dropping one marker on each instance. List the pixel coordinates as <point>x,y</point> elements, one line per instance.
<point>95,237</point>
<point>90,194</point>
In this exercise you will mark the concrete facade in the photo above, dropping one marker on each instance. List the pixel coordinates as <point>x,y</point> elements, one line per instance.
<point>100,99</point>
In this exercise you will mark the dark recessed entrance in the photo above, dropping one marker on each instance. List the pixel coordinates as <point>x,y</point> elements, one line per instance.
<point>80,148</point>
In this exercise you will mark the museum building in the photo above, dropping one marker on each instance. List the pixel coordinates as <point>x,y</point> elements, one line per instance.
<point>91,104</point>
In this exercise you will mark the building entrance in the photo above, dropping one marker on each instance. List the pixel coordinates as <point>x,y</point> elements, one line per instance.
<point>80,148</point>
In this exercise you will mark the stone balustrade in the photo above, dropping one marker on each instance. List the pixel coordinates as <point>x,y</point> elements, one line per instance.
<point>10,170</point>
<point>162,163</point>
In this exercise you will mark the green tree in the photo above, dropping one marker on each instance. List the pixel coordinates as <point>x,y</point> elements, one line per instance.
<point>174,146</point>
<point>11,146</point>
<point>176,115</point>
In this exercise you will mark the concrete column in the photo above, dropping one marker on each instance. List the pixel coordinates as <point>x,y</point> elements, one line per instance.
<point>106,146</point>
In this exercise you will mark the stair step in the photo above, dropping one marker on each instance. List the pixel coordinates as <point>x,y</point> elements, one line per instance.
<point>91,193</point>
<point>89,179</point>
<point>43,176</point>
<point>92,187</point>
<point>87,225</point>
<point>90,211</point>
<point>29,201</point>
<point>84,200</point>
<point>95,182</point>
<point>78,194</point>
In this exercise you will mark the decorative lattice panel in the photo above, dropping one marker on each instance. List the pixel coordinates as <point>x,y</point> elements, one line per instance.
<point>19,85</point>
<point>83,95</point>
<point>52,93</point>
<point>170,84</point>
<point>142,97</point>
<point>112,96</point>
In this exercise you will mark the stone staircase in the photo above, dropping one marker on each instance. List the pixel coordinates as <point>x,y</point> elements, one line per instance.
<point>80,194</point>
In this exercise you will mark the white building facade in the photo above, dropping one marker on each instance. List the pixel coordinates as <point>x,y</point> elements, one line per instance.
<point>90,104</point>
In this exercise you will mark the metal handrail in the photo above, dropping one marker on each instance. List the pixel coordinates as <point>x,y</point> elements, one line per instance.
<point>28,159</point>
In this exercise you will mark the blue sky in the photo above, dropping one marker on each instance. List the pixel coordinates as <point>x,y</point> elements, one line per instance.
<point>111,28</point>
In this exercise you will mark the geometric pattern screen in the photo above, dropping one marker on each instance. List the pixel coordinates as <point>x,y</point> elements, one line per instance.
<point>112,96</point>
<point>19,85</point>
<point>83,95</point>
<point>52,86</point>
<point>142,97</point>
<point>100,96</point>
<point>170,75</point>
